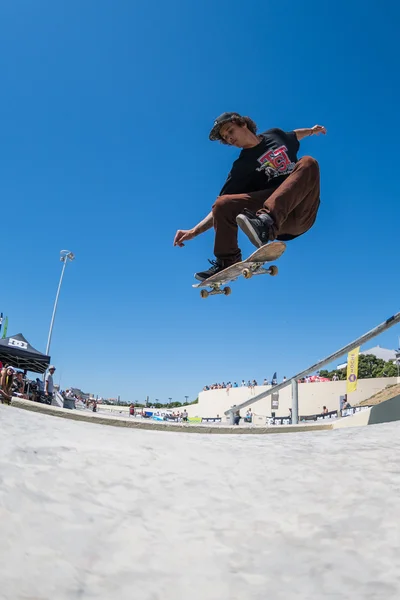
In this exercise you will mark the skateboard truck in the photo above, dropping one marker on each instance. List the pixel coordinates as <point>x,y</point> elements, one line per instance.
<point>216,290</point>
<point>272,270</point>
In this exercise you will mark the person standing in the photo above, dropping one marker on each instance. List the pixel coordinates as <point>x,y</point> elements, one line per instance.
<point>48,382</point>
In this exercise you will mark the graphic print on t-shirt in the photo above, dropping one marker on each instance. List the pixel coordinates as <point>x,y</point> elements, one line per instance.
<point>263,166</point>
<point>275,162</point>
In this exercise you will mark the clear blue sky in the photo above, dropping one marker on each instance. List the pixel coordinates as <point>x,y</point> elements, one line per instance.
<point>105,112</point>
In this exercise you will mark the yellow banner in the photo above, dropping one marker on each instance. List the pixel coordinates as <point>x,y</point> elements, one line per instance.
<point>352,370</point>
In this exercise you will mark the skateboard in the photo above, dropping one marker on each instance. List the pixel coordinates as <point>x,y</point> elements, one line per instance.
<point>253,265</point>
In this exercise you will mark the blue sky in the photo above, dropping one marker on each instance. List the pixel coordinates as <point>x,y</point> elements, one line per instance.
<point>106,108</point>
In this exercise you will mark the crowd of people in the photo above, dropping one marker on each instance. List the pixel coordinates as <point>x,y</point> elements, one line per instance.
<point>251,383</point>
<point>11,384</point>
<point>147,413</point>
<point>178,416</point>
<point>14,382</point>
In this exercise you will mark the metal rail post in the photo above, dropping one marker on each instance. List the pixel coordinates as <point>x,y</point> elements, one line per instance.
<point>295,402</point>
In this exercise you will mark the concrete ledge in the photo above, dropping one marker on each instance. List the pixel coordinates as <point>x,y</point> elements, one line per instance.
<point>76,415</point>
<point>384,412</point>
<point>359,419</point>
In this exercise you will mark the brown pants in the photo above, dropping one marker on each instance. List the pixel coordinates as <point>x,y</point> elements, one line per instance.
<point>293,205</point>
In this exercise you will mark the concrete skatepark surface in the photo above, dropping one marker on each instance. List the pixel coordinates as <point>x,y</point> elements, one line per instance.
<point>89,511</point>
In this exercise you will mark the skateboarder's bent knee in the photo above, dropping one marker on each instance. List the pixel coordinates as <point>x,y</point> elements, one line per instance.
<point>310,164</point>
<point>222,204</point>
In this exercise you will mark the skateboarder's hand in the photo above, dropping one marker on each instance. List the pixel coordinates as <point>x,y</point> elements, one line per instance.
<point>183,235</point>
<point>317,129</point>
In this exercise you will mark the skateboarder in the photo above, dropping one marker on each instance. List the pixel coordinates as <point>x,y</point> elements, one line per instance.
<point>269,193</point>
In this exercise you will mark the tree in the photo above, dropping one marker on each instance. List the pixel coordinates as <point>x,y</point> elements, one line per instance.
<point>369,366</point>
<point>341,373</point>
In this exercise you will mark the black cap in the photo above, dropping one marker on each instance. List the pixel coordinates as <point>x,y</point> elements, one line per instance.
<point>219,121</point>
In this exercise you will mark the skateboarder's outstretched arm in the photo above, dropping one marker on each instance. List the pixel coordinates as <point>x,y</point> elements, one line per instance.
<point>184,235</point>
<point>316,130</point>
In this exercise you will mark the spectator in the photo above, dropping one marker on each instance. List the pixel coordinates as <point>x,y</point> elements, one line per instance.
<point>48,382</point>
<point>235,385</point>
<point>6,381</point>
<point>39,390</point>
<point>185,416</point>
<point>345,403</point>
<point>243,383</point>
<point>18,386</point>
<point>284,379</point>
<point>236,418</point>
<point>249,416</point>
<point>265,382</point>
<point>324,410</point>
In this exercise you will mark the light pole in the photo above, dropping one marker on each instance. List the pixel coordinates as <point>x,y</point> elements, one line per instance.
<point>186,398</point>
<point>398,359</point>
<point>65,255</point>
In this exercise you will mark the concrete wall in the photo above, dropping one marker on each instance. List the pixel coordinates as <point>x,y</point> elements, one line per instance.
<point>312,397</point>
<point>113,408</point>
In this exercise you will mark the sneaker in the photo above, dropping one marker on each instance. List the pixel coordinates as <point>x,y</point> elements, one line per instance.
<point>216,267</point>
<point>258,228</point>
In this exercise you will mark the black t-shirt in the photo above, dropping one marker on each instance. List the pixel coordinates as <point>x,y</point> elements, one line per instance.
<point>265,166</point>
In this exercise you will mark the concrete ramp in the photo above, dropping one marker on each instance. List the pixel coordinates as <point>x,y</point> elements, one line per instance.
<point>89,512</point>
<point>385,412</point>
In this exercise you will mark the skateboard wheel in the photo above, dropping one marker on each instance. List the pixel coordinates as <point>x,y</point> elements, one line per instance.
<point>273,270</point>
<point>227,290</point>
<point>204,293</point>
<point>247,273</point>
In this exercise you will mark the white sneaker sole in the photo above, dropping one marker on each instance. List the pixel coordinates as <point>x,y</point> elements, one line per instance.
<point>247,228</point>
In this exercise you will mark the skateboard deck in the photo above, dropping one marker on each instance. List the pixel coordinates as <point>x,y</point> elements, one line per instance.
<point>253,265</point>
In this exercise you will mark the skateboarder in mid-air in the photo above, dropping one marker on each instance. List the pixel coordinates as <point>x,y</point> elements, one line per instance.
<point>269,193</point>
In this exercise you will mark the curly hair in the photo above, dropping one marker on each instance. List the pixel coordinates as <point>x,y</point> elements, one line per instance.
<point>241,121</point>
